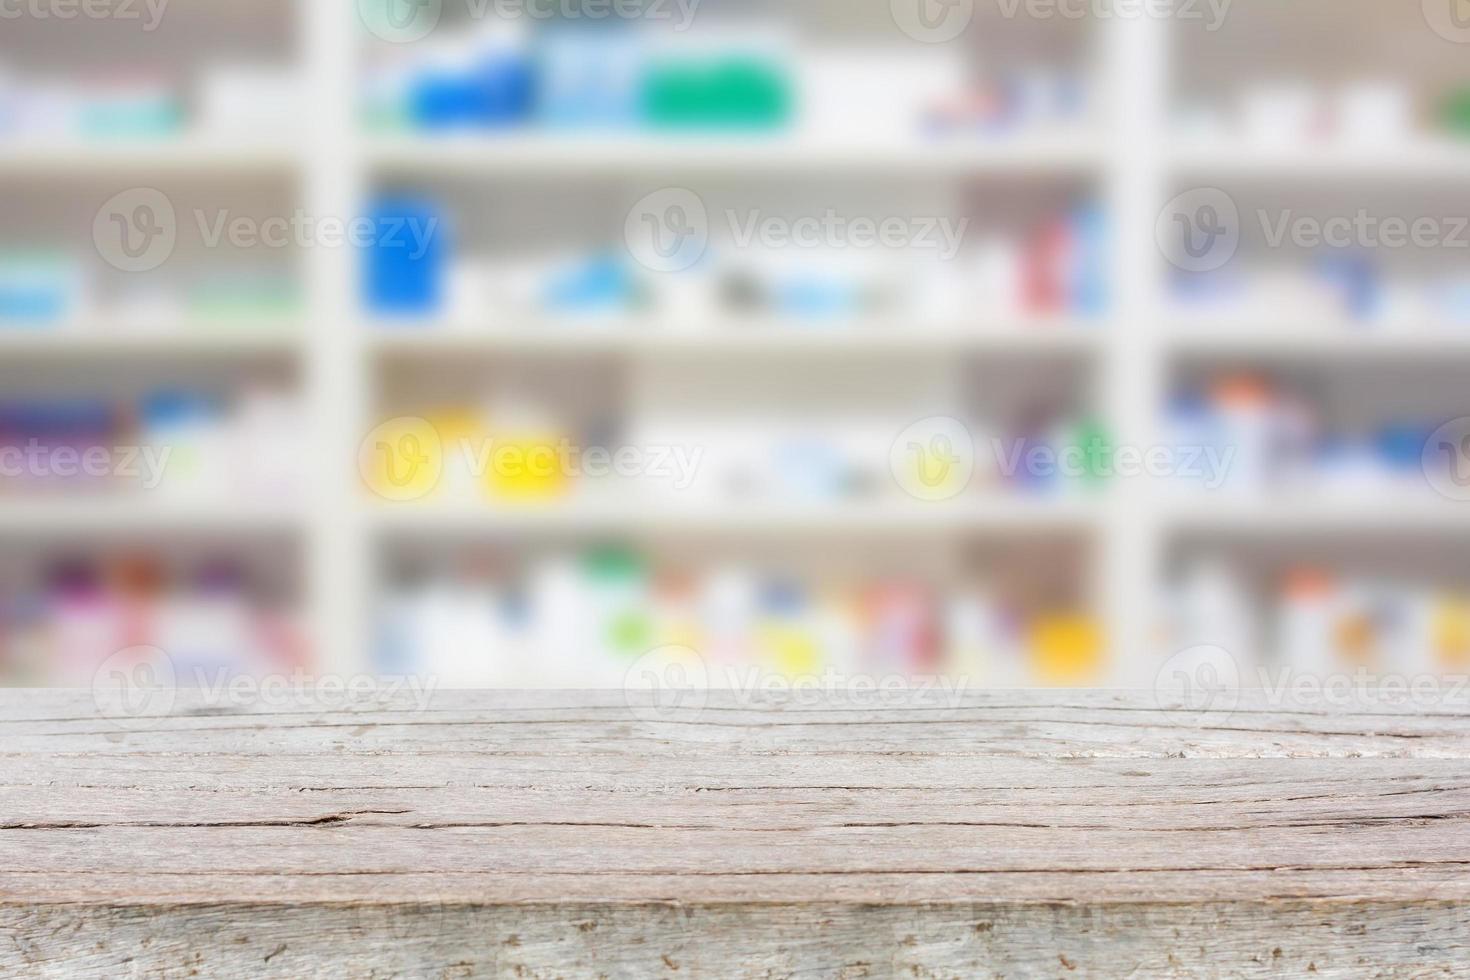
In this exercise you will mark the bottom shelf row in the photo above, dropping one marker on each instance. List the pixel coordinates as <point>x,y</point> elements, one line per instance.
<point>549,610</point>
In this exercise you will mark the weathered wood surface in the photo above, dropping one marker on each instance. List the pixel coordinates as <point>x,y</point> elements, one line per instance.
<point>559,835</point>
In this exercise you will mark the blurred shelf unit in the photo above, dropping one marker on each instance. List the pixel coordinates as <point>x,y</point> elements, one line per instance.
<point>1046,161</point>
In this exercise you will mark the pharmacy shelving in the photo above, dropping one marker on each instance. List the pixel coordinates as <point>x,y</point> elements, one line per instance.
<point>1372,92</point>
<point>582,176</point>
<point>1126,357</point>
<point>153,338</point>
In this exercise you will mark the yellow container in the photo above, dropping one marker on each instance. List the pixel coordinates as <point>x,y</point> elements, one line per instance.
<point>527,466</point>
<point>1452,634</point>
<point>1067,650</point>
<point>790,651</point>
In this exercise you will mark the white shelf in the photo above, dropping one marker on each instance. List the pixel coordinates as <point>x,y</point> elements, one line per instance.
<point>996,514</point>
<point>1424,158</point>
<point>120,514</point>
<point>885,338</point>
<point>582,155</point>
<point>187,156</point>
<point>1322,514</point>
<point>1343,340</point>
<point>99,340</point>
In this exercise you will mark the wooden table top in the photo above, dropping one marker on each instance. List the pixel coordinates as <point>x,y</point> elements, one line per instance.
<point>571,834</point>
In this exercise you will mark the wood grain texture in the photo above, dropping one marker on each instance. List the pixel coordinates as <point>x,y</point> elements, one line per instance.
<point>1021,834</point>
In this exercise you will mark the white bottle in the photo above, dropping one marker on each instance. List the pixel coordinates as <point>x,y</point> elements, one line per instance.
<point>209,629</point>
<point>1215,610</point>
<point>974,643</point>
<point>1304,629</point>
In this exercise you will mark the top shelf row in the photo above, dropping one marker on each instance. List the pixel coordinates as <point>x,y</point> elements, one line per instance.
<point>724,86</point>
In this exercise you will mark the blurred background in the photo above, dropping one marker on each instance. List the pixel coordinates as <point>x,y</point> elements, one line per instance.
<point>513,342</point>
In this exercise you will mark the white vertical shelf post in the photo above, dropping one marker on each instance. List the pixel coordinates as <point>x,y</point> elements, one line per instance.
<point>336,371</point>
<point>1135,70</point>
